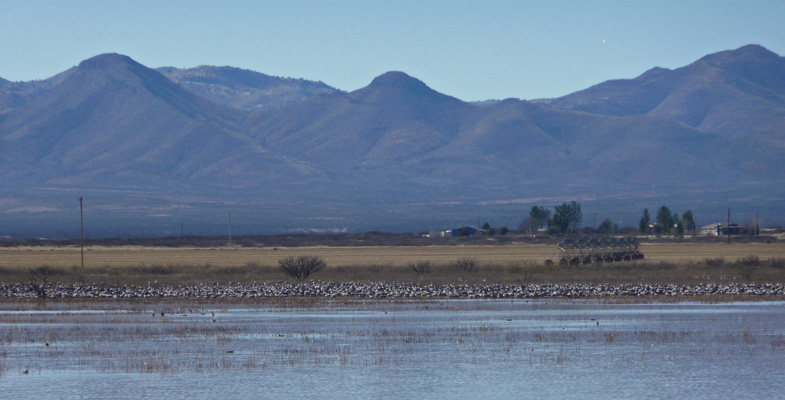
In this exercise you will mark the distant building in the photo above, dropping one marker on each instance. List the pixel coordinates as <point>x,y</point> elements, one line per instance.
<point>710,230</point>
<point>724,229</point>
<point>468,231</point>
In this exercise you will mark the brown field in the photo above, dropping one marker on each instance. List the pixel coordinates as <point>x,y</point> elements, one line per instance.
<point>232,257</point>
<point>513,263</point>
<point>131,256</point>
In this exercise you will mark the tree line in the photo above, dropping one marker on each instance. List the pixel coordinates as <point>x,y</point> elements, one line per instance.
<point>668,222</point>
<point>567,218</point>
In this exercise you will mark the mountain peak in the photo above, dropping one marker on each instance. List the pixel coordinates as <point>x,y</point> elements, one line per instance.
<point>398,79</point>
<point>754,49</point>
<point>654,72</point>
<point>106,60</point>
<point>744,54</point>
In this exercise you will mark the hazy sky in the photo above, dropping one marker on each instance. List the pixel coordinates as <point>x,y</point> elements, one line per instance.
<point>473,50</point>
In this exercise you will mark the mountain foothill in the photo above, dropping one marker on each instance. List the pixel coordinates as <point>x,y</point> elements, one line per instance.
<point>196,137</point>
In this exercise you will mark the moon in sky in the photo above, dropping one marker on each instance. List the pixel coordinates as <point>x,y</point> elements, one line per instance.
<point>603,41</point>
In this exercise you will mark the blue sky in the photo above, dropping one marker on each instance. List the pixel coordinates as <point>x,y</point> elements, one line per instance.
<point>473,50</point>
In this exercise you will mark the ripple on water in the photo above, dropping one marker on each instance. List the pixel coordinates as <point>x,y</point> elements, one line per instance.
<point>459,349</point>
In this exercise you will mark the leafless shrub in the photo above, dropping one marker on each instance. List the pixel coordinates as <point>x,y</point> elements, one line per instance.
<point>714,262</point>
<point>747,266</point>
<point>301,267</point>
<point>749,260</point>
<point>157,269</point>
<point>465,264</point>
<point>661,266</point>
<point>514,269</point>
<point>376,268</point>
<point>778,263</point>
<point>420,267</point>
<point>39,278</point>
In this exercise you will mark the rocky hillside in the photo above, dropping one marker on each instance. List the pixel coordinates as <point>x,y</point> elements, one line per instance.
<point>244,89</point>
<point>397,155</point>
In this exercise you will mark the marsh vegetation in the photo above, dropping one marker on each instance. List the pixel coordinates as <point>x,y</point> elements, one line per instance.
<point>582,349</point>
<point>464,270</point>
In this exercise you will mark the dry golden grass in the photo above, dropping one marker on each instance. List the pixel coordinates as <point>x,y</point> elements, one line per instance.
<point>678,263</point>
<point>131,256</point>
<point>30,257</point>
<point>685,252</point>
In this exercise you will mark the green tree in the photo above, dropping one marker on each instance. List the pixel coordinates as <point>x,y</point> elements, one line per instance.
<point>488,228</point>
<point>688,220</point>
<point>538,216</point>
<point>606,226</point>
<point>553,229</point>
<point>503,230</point>
<point>576,216</point>
<point>568,217</point>
<point>665,219</point>
<point>525,225</point>
<point>643,226</point>
<point>561,217</point>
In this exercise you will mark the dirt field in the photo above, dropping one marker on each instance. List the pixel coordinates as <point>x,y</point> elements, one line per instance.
<point>129,256</point>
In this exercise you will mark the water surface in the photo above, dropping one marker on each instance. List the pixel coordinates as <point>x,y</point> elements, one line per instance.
<point>375,349</point>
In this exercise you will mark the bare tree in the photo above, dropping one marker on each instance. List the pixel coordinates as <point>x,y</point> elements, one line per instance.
<point>301,267</point>
<point>39,278</point>
<point>465,264</point>
<point>420,267</point>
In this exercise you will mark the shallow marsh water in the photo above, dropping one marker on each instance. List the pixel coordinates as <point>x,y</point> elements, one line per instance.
<point>379,349</point>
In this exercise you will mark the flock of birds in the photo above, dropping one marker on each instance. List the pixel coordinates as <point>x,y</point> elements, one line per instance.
<point>378,290</point>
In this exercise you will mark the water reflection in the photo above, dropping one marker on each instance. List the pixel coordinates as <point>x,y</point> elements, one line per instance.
<point>450,349</point>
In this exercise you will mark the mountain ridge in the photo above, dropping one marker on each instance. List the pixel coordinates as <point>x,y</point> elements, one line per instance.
<point>394,153</point>
<point>115,118</point>
<point>244,89</point>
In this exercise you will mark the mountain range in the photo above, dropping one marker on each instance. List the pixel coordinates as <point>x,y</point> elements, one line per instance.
<point>244,89</point>
<point>154,149</point>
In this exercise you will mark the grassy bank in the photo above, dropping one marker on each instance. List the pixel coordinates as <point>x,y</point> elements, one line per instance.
<point>684,262</point>
<point>466,270</point>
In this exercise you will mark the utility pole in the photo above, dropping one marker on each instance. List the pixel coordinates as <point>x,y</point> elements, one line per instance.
<point>230,229</point>
<point>181,229</point>
<point>757,225</point>
<point>81,224</point>
<point>728,225</point>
